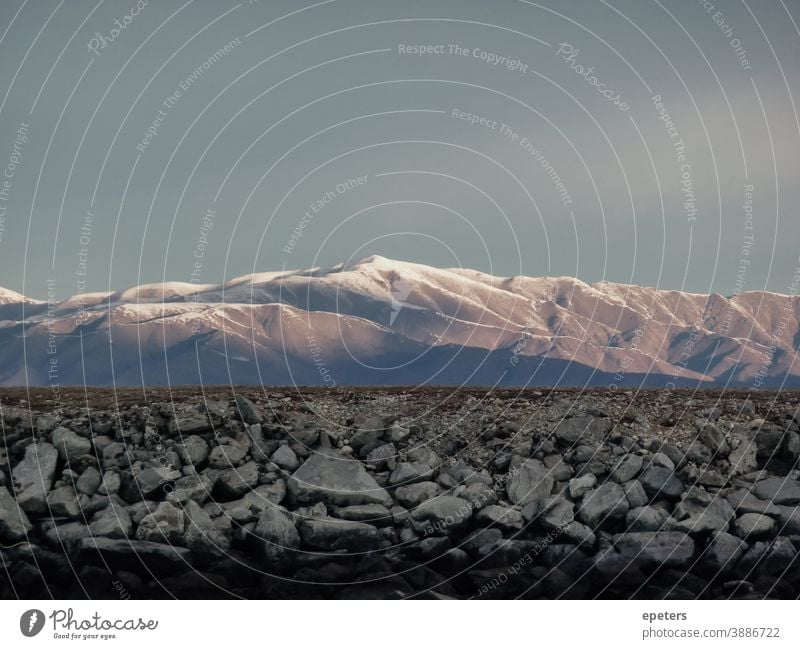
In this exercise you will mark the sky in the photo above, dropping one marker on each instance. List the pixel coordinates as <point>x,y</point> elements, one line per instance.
<point>652,143</point>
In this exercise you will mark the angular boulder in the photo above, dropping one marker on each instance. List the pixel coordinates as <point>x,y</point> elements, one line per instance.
<point>14,524</point>
<point>278,536</point>
<point>335,480</point>
<point>69,444</point>
<point>332,534</point>
<point>530,481</point>
<point>33,476</point>
<point>440,516</point>
<point>603,505</point>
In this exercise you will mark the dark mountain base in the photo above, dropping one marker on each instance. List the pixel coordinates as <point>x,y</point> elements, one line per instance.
<point>399,493</point>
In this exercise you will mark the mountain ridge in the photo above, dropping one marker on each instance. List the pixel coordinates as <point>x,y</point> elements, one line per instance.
<point>366,312</point>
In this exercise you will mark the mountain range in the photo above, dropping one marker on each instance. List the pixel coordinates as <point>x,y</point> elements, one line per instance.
<point>378,321</point>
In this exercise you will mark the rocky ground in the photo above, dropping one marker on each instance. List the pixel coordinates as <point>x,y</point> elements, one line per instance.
<point>399,493</point>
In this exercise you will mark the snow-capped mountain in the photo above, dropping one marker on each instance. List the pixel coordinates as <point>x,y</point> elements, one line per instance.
<point>379,321</point>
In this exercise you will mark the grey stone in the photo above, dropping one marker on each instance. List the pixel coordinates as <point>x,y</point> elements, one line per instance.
<point>152,481</point>
<point>305,438</point>
<point>335,481</point>
<point>582,485</point>
<point>700,512</point>
<point>89,481</point>
<point>201,535</point>
<point>780,556</point>
<point>479,494</point>
<point>67,536</point>
<point>698,453</point>
<point>46,423</point>
<point>529,481</point>
<point>570,431</point>
<point>481,542</point>
<point>236,482</point>
<point>226,456</point>
<point>63,502</point>
<point>165,525</point>
<point>467,475</point>
<point>367,438</point>
<point>98,503</point>
<point>397,433</point>
<point>331,534</point>
<point>754,526</point>
<point>531,511</point>
<point>660,482</point>
<point>265,495</point>
<point>139,510</point>
<point>792,446</point>
<point>279,537</point>
<point>112,522</point>
<point>788,519</point>
<point>557,513</point>
<point>409,472</point>
<point>635,494</point>
<point>110,484</point>
<point>189,423</point>
<point>425,455</point>
<point>260,448</point>
<point>375,514</point>
<point>780,491</point>
<point>286,458</point>
<point>656,549</point>
<point>115,455</point>
<point>216,408</point>
<point>442,515</point>
<point>661,459</point>
<point>580,534</point>
<point>248,412</point>
<point>605,504</point>
<point>583,453</point>
<point>33,476</point>
<point>711,478</point>
<point>504,518</point>
<point>196,487</point>
<point>646,519</point>
<point>383,456</point>
<point>559,469</point>
<point>714,438</point>
<point>746,567</point>
<point>69,444</point>
<point>746,503</point>
<point>415,494</point>
<point>193,450</point>
<point>723,551</point>
<point>399,515</point>
<point>743,458</point>
<point>14,524</point>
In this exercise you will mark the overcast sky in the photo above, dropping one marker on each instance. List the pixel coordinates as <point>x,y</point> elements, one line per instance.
<point>189,140</point>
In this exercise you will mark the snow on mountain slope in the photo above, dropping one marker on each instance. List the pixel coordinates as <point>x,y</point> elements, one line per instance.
<point>379,320</point>
<point>7,296</point>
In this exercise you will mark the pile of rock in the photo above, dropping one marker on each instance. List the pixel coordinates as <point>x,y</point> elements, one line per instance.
<point>250,499</point>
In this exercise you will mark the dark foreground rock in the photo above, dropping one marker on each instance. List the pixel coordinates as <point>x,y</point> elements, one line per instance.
<point>394,494</point>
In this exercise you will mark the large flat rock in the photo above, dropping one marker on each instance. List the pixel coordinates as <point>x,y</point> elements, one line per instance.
<point>335,480</point>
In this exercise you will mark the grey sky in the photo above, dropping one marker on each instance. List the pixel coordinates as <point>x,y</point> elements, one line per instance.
<point>284,115</point>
